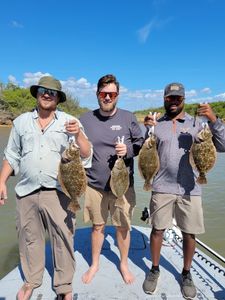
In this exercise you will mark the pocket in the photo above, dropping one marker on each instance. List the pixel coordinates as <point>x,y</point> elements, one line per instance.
<point>58,140</point>
<point>27,142</point>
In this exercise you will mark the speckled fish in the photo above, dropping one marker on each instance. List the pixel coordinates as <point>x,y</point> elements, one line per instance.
<point>72,176</point>
<point>119,181</point>
<point>203,154</point>
<point>148,161</point>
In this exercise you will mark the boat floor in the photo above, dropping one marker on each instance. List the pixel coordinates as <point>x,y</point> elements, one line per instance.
<point>208,275</point>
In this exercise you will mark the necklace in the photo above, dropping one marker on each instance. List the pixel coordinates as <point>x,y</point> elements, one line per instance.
<point>43,123</point>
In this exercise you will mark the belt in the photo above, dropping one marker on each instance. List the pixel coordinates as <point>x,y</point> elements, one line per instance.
<point>42,188</point>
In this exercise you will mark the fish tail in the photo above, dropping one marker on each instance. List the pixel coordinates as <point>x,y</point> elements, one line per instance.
<point>147,186</point>
<point>120,201</point>
<point>74,206</point>
<point>201,179</point>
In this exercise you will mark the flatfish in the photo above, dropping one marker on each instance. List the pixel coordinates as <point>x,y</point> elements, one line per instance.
<point>203,154</point>
<point>148,161</point>
<point>119,181</point>
<point>72,175</point>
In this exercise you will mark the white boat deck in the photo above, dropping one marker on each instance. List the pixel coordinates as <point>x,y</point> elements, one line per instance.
<point>107,284</point>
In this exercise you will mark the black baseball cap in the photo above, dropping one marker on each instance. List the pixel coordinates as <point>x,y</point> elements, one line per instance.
<point>174,89</point>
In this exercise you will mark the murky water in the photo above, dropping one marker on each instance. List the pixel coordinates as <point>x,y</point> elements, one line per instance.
<point>213,202</point>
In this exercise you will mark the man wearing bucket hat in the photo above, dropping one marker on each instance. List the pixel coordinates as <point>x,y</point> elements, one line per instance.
<point>35,145</point>
<point>175,191</point>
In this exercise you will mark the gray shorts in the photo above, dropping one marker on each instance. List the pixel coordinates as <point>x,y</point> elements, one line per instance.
<point>186,210</point>
<point>98,204</point>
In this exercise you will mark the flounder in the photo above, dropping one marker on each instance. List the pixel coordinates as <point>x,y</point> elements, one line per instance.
<point>203,154</point>
<point>72,175</point>
<point>119,181</point>
<point>148,161</point>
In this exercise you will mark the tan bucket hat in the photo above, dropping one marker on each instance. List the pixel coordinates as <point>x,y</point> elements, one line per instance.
<point>49,82</point>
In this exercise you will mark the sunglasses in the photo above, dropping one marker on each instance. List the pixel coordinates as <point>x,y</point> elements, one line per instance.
<point>112,95</point>
<point>174,98</point>
<point>44,91</point>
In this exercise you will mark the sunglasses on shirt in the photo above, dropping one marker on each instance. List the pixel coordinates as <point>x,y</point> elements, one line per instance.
<point>44,91</point>
<point>112,95</point>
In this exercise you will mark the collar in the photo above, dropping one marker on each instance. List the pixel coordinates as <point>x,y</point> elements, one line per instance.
<point>35,113</point>
<point>181,120</point>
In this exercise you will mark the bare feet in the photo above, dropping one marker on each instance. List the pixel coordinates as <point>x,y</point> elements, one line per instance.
<point>25,292</point>
<point>128,277</point>
<point>89,275</point>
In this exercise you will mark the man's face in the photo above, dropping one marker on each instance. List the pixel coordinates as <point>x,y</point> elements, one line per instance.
<point>174,105</point>
<point>47,98</point>
<point>107,97</point>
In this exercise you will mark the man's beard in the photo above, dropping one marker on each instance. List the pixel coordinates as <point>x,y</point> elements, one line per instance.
<point>173,112</point>
<point>107,107</point>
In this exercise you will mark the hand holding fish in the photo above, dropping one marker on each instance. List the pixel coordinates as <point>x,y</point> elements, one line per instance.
<point>121,149</point>
<point>72,127</point>
<point>205,110</point>
<point>151,119</point>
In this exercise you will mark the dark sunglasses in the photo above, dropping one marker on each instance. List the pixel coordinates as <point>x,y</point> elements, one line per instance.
<point>174,98</point>
<point>44,91</point>
<point>112,95</point>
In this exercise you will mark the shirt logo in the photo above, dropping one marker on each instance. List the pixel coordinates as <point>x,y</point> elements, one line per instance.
<point>174,88</point>
<point>116,127</point>
<point>185,130</point>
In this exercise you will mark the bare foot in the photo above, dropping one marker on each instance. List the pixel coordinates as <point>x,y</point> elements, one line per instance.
<point>128,277</point>
<point>25,292</point>
<point>89,275</point>
<point>68,296</point>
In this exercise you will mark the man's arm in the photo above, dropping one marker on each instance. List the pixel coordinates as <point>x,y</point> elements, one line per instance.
<point>6,171</point>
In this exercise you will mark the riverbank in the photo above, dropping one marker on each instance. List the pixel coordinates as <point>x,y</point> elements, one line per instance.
<point>6,118</point>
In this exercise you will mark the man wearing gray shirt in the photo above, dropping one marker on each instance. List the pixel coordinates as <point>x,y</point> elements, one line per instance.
<point>35,145</point>
<point>103,126</point>
<point>175,192</point>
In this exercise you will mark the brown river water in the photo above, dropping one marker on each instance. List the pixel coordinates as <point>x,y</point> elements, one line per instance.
<point>213,203</point>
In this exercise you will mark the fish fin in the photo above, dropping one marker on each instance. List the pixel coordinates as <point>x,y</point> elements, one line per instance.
<point>202,179</point>
<point>74,206</point>
<point>147,186</point>
<point>191,160</point>
<point>62,185</point>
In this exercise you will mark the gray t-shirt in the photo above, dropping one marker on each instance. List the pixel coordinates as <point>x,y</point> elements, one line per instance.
<point>174,140</point>
<point>103,133</point>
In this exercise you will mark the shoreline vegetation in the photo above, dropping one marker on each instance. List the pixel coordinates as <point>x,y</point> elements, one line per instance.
<point>15,101</point>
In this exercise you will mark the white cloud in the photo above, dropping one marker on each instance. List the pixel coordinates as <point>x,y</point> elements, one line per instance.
<point>85,92</point>
<point>206,90</point>
<point>144,32</point>
<point>220,97</point>
<point>33,78</point>
<point>16,24</point>
<point>12,79</point>
<point>191,93</point>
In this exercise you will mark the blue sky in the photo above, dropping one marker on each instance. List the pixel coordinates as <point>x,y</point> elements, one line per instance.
<point>145,43</point>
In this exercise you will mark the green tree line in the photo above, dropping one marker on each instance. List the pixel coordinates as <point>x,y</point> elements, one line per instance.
<point>16,100</point>
<point>218,108</point>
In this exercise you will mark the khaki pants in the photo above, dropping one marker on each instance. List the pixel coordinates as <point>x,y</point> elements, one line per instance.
<point>36,213</point>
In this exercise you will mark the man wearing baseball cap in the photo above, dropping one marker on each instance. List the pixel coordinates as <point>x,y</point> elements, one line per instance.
<point>35,145</point>
<point>175,191</point>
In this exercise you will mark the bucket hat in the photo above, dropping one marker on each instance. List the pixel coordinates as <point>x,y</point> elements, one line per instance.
<point>174,89</point>
<point>49,82</point>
